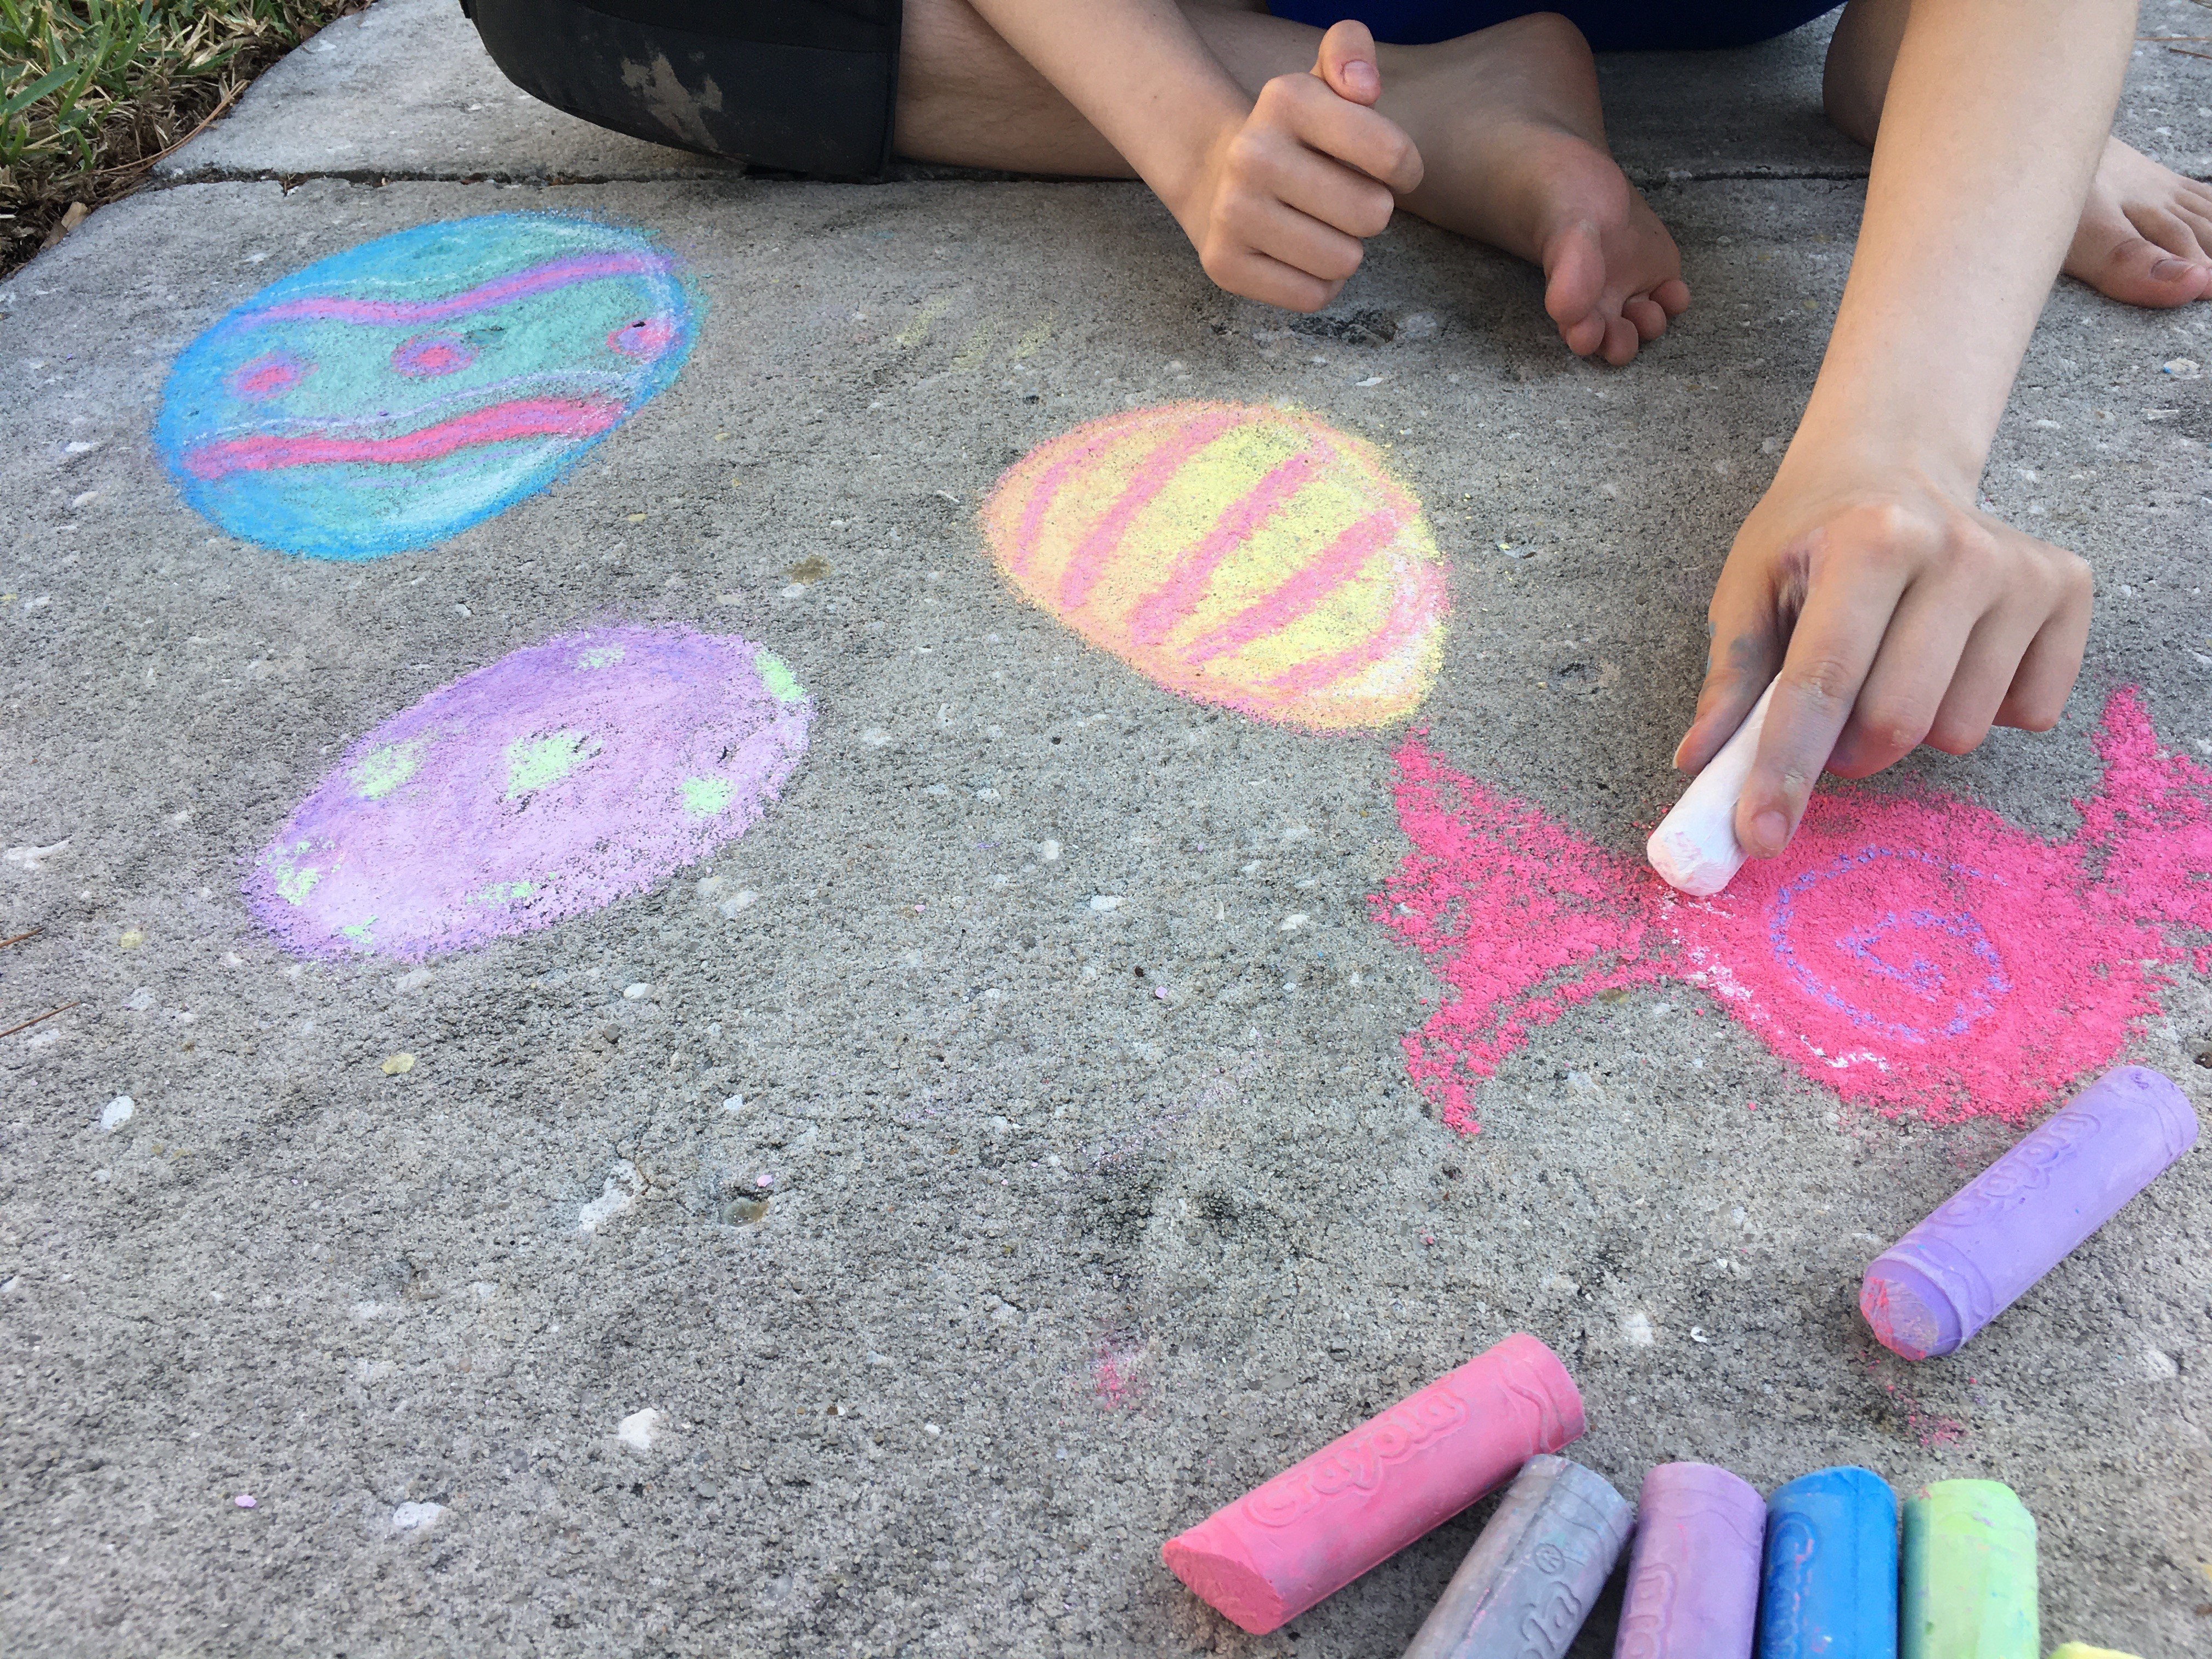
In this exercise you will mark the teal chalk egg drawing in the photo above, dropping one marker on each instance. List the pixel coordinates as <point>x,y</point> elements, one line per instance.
<point>391,396</point>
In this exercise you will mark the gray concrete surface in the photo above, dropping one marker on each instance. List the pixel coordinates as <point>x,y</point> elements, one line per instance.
<point>1054,1265</point>
<point>405,89</point>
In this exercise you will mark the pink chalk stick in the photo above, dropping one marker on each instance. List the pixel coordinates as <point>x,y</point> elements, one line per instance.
<point>1285,1545</point>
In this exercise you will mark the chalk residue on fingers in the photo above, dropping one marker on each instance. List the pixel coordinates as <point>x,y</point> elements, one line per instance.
<point>1694,846</point>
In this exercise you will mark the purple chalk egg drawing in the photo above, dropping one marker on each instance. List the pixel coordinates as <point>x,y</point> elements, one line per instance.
<point>392,395</point>
<point>558,779</point>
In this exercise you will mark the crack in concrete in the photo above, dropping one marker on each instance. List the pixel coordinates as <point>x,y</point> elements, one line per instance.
<point>1642,179</point>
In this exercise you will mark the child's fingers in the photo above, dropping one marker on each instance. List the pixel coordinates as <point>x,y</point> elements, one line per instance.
<point>1984,674</point>
<point>1746,651</point>
<point>1347,62</point>
<point>1831,649</point>
<point>1376,145</point>
<point>1916,673</point>
<point>1257,276</point>
<point>1303,243</point>
<point>1335,195</point>
<point>2046,676</point>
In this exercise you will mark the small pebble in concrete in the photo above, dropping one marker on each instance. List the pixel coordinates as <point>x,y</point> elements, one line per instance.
<point>130,939</point>
<point>116,1114</point>
<point>33,859</point>
<point>621,1191</point>
<point>416,1517</point>
<point>640,1429</point>
<point>637,992</point>
<point>1105,902</point>
<point>397,1065</point>
<point>1636,1330</point>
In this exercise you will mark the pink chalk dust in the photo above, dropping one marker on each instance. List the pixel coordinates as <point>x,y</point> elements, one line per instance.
<point>1911,951</point>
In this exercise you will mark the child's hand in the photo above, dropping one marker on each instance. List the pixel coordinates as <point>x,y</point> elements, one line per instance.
<point>1279,209</point>
<point>1907,618</point>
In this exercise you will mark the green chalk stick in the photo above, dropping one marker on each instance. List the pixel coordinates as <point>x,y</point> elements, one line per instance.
<point>1969,1574</point>
<point>2082,1650</point>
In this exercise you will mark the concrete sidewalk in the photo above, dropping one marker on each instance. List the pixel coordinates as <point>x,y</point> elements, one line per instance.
<point>1010,1180</point>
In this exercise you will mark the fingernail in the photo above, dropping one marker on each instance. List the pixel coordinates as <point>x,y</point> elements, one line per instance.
<point>1362,76</point>
<point>1679,748</point>
<point>1769,833</point>
<point>2171,270</point>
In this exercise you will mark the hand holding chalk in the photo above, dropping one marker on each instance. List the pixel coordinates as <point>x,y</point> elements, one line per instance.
<point>1694,846</point>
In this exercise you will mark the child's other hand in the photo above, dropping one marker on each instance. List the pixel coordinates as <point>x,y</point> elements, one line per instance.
<point>1279,209</point>
<point>1906,618</point>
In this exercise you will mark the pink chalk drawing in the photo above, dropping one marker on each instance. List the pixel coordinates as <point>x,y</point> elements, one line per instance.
<point>553,781</point>
<point>1915,952</point>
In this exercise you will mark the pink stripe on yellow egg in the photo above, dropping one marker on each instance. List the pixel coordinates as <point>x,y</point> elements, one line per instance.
<point>1249,557</point>
<point>1162,609</point>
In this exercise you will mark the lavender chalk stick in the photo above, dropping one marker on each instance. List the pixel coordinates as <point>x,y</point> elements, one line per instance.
<point>1693,1580</point>
<point>1932,1289</point>
<point>1532,1576</point>
<point>1694,846</point>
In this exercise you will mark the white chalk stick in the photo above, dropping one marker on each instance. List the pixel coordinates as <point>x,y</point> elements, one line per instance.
<point>1694,846</point>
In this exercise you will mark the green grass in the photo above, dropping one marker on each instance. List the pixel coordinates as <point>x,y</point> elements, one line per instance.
<point>92,92</point>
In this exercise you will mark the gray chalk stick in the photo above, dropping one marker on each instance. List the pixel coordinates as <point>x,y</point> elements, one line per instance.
<point>1532,1576</point>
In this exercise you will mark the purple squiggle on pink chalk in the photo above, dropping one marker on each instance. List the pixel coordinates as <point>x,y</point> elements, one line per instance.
<point>558,779</point>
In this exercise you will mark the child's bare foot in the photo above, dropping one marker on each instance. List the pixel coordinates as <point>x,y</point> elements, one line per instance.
<point>2146,231</point>
<point>1508,129</point>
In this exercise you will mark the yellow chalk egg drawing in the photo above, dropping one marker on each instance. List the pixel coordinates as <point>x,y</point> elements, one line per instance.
<point>1245,556</point>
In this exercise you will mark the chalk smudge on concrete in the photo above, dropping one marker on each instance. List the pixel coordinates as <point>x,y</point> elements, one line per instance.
<point>392,395</point>
<point>1912,952</point>
<point>1248,557</point>
<point>1117,1368</point>
<point>554,781</point>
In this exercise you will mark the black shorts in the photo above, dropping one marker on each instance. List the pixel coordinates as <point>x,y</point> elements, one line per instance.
<point>801,86</point>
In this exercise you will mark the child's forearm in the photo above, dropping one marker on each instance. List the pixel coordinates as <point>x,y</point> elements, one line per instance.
<point>1996,113</point>
<point>1138,73</point>
<point>1885,608</point>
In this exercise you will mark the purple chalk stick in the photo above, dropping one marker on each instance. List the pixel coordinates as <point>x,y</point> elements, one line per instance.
<point>1932,1289</point>
<point>1693,1580</point>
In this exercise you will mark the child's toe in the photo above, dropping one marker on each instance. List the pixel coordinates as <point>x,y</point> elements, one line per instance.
<point>1649,320</point>
<point>1584,335</point>
<point>1620,341</point>
<point>2133,268</point>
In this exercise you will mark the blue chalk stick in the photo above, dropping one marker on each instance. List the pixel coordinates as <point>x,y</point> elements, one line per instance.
<point>1829,1589</point>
